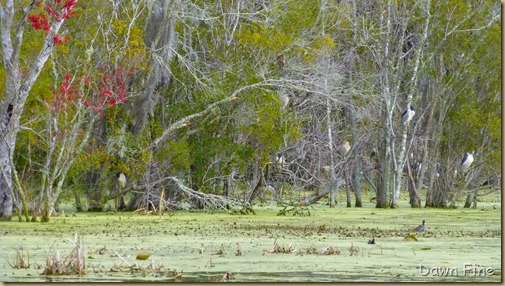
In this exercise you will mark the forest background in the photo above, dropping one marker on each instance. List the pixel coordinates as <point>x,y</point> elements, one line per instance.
<point>210,104</point>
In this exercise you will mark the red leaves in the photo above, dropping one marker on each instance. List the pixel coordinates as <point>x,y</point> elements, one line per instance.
<point>65,95</point>
<point>112,88</point>
<point>39,22</point>
<point>59,40</point>
<point>69,4</point>
<point>58,12</point>
<point>54,11</point>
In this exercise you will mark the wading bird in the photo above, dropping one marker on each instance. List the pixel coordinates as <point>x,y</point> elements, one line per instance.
<point>121,183</point>
<point>467,161</point>
<point>407,114</point>
<point>121,180</point>
<point>279,160</point>
<point>420,228</point>
<point>492,181</point>
<point>344,148</point>
<point>416,166</point>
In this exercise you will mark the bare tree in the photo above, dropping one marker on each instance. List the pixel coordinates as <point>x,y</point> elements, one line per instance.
<point>400,161</point>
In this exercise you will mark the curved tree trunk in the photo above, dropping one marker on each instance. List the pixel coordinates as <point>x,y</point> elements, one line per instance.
<point>259,186</point>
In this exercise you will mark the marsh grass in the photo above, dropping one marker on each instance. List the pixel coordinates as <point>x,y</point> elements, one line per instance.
<point>71,264</point>
<point>203,247</point>
<point>280,249</point>
<point>329,250</point>
<point>21,261</point>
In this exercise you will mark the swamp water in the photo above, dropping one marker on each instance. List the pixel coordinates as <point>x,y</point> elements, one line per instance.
<point>458,245</point>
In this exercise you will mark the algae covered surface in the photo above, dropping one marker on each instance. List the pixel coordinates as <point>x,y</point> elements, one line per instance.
<point>459,245</point>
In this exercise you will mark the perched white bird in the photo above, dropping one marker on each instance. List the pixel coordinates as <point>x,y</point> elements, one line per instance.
<point>344,148</point>
<point>279,160</point>
<point>121,183</point>
<point>467,161</point>
<point>273,193</point>
<point>271,189</point>
<point>325,172</point>
<point>407,114</point>
<point>373,153</point>
<point>284,99</point>
<point>121,180</point>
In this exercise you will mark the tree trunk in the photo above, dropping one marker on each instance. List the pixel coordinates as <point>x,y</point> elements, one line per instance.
<point>475,197</point>
<point>385,165</point>
<point>399,168</point>
<point>259,186</point>
<point>471,199</point>
<point>21,206</point>
<point>413,84</point>
<point>329,132</point>
<point>348,189</point>
<point>78,203</point>
<point>468,202</point>
<point>17,90</point>
<point>319,194</point>
<point>348,197</point>
<point>6,198</point>
<point>356,170</point>
<point>385,133</point>
<point>437,197</point>
<point>94,194</point>
<point>414,199</point>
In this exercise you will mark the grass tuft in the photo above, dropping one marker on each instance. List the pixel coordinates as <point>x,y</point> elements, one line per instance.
<point>21,261</point>
<point>72,264</point>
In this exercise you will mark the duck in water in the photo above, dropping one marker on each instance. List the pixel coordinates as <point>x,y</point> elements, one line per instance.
<point>420,228</point>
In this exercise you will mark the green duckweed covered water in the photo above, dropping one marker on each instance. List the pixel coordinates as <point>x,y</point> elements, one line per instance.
<point>458,245</point>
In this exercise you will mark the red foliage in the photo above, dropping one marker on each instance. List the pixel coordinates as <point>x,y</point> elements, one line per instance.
<point>69,4</point>
<point>112,89</point>
<point>55,11</point>
<point>59,40</point>
<point>65,95</point>
<point>39,22</point>
<point>51,11</point>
